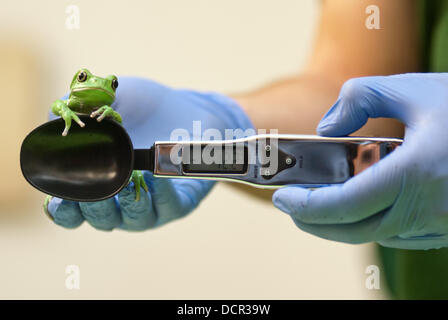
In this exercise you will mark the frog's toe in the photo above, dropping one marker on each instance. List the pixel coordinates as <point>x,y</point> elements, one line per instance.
<point>139,182</point>
<point>106,112</point>
<point>137,194</point>
<point>96,112</point>
<point>65,132</point>
<point>145,187</point>
<point>93,114</point>
<point>136,182</point>
<point>45,205</point>
<point>81,124</point>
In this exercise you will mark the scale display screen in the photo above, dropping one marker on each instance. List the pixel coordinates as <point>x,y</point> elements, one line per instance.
<point>217,159</point>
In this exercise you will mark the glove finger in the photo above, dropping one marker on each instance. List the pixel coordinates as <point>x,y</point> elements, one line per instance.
<point>175,198</point>
<point>368,230</point>
<point>418,243</point>
<point>367,193</point>
<point>65,213</point>
<point>136,215</point>
<point>102,215</point>
<point>363,98</point>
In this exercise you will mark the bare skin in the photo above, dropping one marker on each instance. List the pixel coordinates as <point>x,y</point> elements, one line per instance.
<point>344,49</point>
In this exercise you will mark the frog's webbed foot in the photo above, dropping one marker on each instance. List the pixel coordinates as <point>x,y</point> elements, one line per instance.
<point>105,111</point>
<point>68,115</point>
<point>137,179</point>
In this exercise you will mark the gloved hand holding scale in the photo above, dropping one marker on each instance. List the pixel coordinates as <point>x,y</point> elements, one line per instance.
<point>401,201</point>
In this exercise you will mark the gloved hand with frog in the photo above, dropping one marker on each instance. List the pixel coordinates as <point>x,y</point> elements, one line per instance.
<point>148,111</point>
<point>92,95</point>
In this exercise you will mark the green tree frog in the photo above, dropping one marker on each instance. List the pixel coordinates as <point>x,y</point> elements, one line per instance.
<point>92,95</point>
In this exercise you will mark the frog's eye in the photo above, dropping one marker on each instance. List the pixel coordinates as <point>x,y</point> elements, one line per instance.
<point>114,84</point>
<point>82,76</point>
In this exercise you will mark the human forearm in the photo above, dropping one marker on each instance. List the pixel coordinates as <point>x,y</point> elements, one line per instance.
<point>344,48</point>
<point>296,104</point>
<point>291,105</point>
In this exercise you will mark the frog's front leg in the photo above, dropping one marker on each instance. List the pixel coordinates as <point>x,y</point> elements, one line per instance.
<point>106,111</point>
<point>139,181</point>
<point>60,108</point>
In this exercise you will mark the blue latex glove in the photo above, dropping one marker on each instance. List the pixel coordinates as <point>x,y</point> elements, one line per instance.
<point>150,112</point>
<point>401,201</point>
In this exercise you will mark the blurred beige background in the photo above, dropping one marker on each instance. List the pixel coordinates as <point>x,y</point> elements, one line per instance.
<point>232,246</point>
